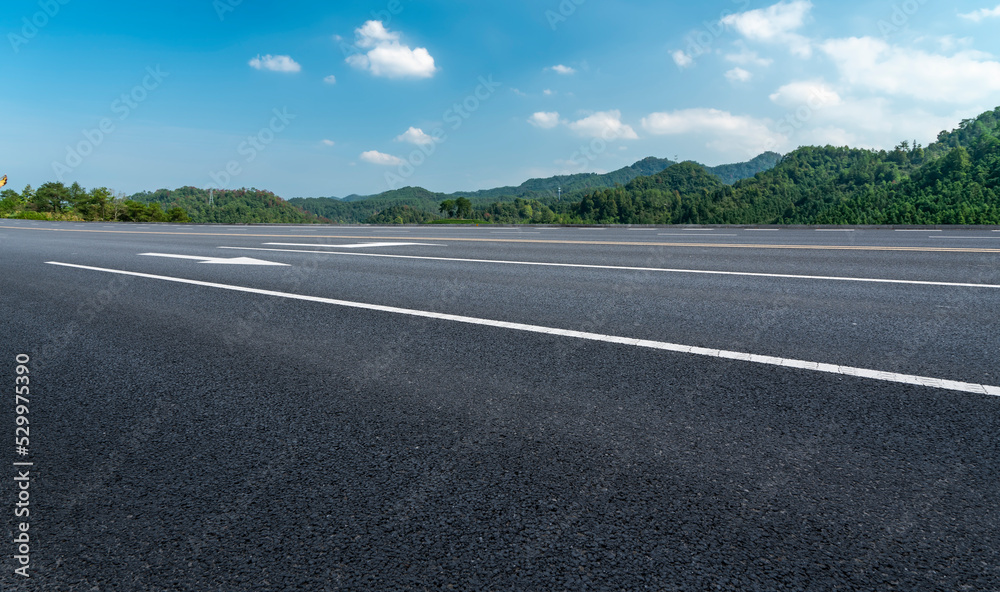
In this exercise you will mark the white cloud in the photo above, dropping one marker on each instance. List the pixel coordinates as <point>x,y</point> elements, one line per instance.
<point>281,63</point>
<point>548,92</point>
<point>331,79</point>
<point>730,135</point>
<point>982,14</point>
<point>545,120</point>
<point>682,59</point>
<point>874,65</point>
<point>604,124</point>
<point>387,57</point>
<point>813,94</point>
<point>564,70</point>
<point>775,24</point>
<point>329,143</point>
<point>748,57</point>
<point>416,136</point>
<point>738,75</point>
<point>379,158</point>
<point>818,114</point>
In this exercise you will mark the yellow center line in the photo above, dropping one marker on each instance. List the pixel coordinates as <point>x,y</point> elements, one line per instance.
<point>537,241</point>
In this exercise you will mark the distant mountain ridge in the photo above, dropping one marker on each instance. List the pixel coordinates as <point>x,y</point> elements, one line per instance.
<point>364,208</point>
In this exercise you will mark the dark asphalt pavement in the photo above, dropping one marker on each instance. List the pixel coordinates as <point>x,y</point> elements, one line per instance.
<point>191,437</point>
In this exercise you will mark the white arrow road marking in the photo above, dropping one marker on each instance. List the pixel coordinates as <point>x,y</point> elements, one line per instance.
<point>358,246</point>
<point>217,260</point>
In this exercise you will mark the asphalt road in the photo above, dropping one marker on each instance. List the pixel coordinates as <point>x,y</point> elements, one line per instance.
<point>504,408</point>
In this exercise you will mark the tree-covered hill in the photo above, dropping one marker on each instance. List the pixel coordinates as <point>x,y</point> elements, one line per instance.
<point>549,186</point>
<point>570,184</point>
<point>356,209</point>
<point>240,206</point>
<point>731,173</point>
<point>360,211</point>
<point>956,180</point>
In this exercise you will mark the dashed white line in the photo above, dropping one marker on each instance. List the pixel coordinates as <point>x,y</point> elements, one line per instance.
<point>936,383</point>
<point>626,268</point>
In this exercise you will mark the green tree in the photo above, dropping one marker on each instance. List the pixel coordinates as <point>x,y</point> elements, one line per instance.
<point>447,208</point>
<point>177,214</point>
<point>463,208</point>
<point>51,197</point>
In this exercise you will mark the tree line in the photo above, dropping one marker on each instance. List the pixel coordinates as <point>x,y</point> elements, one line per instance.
<point>56,201</point>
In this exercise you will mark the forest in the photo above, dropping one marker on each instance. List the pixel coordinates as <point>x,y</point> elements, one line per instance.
<point>56,201</point>
<point>955,180</point>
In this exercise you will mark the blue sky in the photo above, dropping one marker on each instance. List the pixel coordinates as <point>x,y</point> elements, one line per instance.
<point>310,98</point>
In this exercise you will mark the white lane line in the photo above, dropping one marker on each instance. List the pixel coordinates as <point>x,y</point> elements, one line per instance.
<point>643,343</point>
<point>762,229</point>
<point>358,246</point>
<point>650,269</point>
<point>698,229</point>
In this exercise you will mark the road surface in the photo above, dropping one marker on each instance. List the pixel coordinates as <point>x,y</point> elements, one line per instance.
<point>456,408</point>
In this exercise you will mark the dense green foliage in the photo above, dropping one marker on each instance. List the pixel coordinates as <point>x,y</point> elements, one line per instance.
<point>401,215</point>
<point>731,173</point>
<point>956,180</point>
<point>241,206</point>
<point>362,210</point>
<point>519,211</point>
<point>55,201</point>
<point>549,187</point>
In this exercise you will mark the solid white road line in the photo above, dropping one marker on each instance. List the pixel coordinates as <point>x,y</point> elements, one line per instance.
<point>623,268</point>
<point>358,246</point>
<point>643,343</point>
